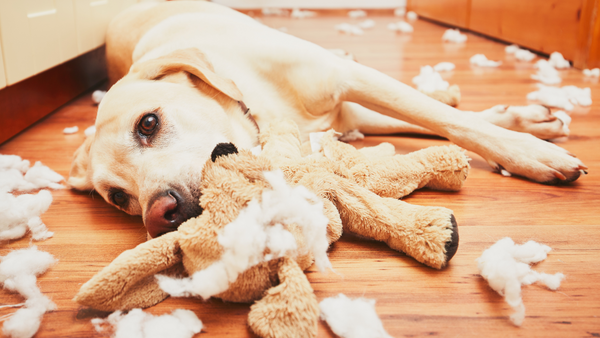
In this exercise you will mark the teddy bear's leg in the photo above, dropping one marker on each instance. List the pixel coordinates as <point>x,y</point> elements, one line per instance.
<point>440,168</point>
<point>428,234</point>
<point>289,309</point>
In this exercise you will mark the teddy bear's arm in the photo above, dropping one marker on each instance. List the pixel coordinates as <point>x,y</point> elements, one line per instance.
<point>289,309</point>
<point>128,282</point>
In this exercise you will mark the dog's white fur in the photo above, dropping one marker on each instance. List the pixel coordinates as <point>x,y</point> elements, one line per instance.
<point>190,62</point>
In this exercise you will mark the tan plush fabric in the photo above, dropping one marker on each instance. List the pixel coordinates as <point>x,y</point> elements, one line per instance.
<point>360,191</point>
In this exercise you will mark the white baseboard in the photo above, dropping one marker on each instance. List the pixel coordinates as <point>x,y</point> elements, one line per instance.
<point>312,4</point>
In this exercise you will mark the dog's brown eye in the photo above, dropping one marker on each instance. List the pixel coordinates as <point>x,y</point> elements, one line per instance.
<point>148,125</point>
<point>119,198</point>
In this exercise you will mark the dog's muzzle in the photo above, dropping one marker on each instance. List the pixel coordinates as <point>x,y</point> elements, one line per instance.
<point>167,210</point>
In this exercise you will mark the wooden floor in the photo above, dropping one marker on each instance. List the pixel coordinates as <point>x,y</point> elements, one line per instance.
<point>412,300</point>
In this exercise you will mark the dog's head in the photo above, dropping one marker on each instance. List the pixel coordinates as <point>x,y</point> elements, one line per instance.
<point>155,129</point>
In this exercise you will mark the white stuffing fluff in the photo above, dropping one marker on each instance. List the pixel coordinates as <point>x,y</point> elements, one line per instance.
<point>357,14</point>
<point>412,16</point>
<point>520,54</point>
<point>454,35</point>
<point>444,67</point>
<point>300,14</point>
<point>546,73</point>
<point>18,272</point>
<point>482,61</point>
<point>506,266</point>
<point>139,324</point>
<point>400,11</point>
<point>429,80</point>
<point>563,98</point>
<point>349,29</point>
<point>37,177</point>
<point>352,135</point>
<point>89,131</point>
<point>352,318</point>
<point>558,61</point>
<point>400,26</point>
<point>259,227</point>
<point>511,49</point>
<point>367,24</point>
<point>98,95</point>
<point>20,213</point>
<point>592,72</point>
<point>71,130</point>
<point>274,12</point>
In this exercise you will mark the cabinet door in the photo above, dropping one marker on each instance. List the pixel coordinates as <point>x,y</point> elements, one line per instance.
<point>452,12</point>
<point>36,35</point>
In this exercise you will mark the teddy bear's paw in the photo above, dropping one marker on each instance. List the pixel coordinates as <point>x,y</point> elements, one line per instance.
<point>451,168</point>
<point>289,309</point>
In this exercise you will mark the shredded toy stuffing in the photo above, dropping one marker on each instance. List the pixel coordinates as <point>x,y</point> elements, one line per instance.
<point>454,35</point>
<point>18,271</point>
<point>71,130</point>
<point>39,176</point>
<point>367,24</point>
<point>98,95</point>
<point>139,324</point>
<point>357,14</point>
<point>520,54</point>
<point>482,61</point>
<point>506,266</point>
<point>21,213</point>
<point>511,49</point>
<point>558,61</point>
<point>592,72</point>
<point>428,81</point>
<point>412,16</point>
<point>563,98</point>
<point>546,73</point>
<point>400,26</point>
<point>349,29</point>
<point>444,67</point>
<point>300,14</point>
<point>89,131</point>
<point>274,12</point>
<point>352,318</point>
<point>400,11</point>
<point>257,228</point>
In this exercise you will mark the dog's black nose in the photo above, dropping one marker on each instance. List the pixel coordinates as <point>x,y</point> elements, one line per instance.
<point>167,211</point>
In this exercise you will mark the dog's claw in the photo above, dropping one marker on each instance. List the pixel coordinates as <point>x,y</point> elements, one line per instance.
<point>559,176</point>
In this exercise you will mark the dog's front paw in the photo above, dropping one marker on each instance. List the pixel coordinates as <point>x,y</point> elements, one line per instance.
<point>533,119</point>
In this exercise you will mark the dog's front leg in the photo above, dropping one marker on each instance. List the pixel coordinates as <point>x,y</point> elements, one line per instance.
<point>519,153</point>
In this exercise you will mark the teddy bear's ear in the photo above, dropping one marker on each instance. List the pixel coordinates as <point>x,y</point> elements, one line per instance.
<point>128,282</point>
<point>223,149</point>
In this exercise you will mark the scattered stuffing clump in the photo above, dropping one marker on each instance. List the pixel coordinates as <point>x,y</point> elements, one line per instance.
<point>520,54</point>
<point>357,14</point>
<point>71,130</point>
<point>39,176</point>
<point>482,61</point>
<point>400,26</point>
<point>454,35</point>
<point>412,16</point>
<point>563,98</point>
<point>506,266</point>
<point>558,61</point>
<point>400,11</point>
<point>98,95</point>
<point>511,49</point>
<point>429,81</point>
<point>300,14</point>
<point>258,228</point>
<point>367,24</point>
<point>349,29</point>
<point>592,72</point>
<point>274,12</point>
<point>352,318</point>
<point>89,131</point>
<point>444,67</point>
<point>18,271</point>
<point>546,73</point>
<point>20,213</point>
<point>138,324</point>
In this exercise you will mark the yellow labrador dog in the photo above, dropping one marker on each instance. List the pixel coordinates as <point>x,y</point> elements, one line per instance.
<point>186,72</point>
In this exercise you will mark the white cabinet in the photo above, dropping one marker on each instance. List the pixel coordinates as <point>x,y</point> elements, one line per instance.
<point>36,35</point>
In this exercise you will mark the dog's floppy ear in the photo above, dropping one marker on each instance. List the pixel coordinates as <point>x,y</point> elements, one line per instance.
<point>80,177</point>
<point>190,60</point>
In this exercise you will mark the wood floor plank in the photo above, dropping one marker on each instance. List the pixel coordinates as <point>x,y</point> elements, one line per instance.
<point>412,300</point>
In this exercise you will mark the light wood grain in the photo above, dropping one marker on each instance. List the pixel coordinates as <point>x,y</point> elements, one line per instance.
<point>412,300</point>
